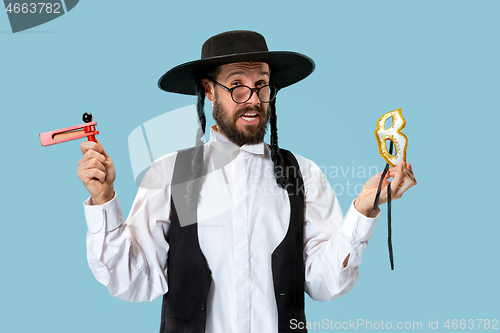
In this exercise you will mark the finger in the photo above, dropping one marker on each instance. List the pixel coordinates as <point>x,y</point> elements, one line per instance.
<point>409,168</point>
<point>90,177</point>
<point>408,181</point>
<point>103,151</point>
<point>410,175</point>
<point>393,171</point>
<point>391,174</point>
<point>385,182</point>
<point>92,154</point>
<point>93,163</point>
<point>90,165</point>
<point>87,175</point>
<point>90,145</point>
<point>404,186</point>
<point>397,179</point>
<point>409,172</point>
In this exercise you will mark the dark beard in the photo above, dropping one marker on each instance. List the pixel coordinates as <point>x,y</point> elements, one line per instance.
<point>229,129</point>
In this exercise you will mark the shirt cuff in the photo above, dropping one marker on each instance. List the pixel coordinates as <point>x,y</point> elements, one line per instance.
<point>358,225</point>
<point>103,218</point>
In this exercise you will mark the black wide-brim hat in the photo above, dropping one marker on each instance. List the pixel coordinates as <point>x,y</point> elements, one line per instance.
<point>237,46</point>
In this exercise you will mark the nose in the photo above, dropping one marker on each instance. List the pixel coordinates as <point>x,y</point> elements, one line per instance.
<point>254,99</point>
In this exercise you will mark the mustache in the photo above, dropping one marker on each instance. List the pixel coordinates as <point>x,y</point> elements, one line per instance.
<point>250,108</point>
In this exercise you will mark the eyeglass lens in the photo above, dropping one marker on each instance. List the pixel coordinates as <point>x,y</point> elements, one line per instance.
<point>242,94</point>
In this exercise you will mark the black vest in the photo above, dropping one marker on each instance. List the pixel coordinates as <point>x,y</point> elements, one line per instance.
<point>189,277</point>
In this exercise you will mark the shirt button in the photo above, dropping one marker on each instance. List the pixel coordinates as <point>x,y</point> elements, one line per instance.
<point>203,307</point>
<point>276,254</point>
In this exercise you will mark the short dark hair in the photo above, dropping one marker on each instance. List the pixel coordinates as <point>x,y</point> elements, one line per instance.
<point>214,72</point>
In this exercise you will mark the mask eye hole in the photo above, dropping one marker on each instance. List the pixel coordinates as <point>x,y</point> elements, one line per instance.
<point>388,147</point>
<point>388,123</point>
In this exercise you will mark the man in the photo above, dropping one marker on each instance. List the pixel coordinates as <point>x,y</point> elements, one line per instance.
<point>231,232</point>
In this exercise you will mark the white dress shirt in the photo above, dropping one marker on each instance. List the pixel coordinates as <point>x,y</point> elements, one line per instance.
<point>242,217</point>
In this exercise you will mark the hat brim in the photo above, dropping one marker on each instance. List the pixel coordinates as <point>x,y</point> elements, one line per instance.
<point>286,68</point>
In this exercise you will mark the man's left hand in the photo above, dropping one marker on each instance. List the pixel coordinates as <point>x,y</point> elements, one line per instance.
<point>403,180</point>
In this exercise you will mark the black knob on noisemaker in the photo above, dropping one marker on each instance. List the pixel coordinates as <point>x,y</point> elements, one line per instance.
<point>87,117</point>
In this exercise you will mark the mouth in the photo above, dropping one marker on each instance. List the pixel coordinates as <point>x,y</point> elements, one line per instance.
<point>250,117</point>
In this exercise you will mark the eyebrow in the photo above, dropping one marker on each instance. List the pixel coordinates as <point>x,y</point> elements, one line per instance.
<point>242,72</point>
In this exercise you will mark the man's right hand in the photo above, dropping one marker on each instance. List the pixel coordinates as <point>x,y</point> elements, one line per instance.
<point>97,172</point>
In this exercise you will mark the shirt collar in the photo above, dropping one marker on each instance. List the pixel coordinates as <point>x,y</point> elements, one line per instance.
<point>219,137</point>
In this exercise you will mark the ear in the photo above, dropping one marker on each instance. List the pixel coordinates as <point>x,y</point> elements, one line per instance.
<point>209,89</point>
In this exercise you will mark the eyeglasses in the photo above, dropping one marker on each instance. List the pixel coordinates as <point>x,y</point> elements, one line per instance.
<point>241,94</point>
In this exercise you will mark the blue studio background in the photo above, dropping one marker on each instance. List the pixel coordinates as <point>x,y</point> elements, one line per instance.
<point>437,60</point>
